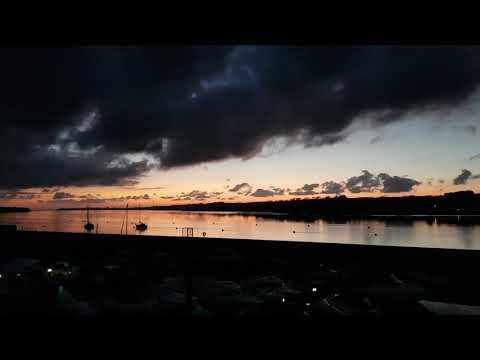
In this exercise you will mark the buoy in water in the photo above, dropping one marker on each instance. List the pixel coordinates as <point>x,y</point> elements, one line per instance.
<point>294,231</point>
<point>375,234</point>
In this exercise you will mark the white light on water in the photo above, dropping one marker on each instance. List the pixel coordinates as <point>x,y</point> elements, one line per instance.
<point>314,289</point>
<point>283,300</point>
<point>49,270</point>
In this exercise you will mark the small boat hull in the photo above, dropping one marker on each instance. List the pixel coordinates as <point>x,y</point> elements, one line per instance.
<point>141,227</point>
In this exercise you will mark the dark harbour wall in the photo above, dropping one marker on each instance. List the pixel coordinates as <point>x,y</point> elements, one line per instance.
<point>298,254</point>
<point>13,209</point>
<point>443,274</point>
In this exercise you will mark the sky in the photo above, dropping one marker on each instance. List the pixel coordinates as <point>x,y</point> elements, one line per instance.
<point>107,126</point>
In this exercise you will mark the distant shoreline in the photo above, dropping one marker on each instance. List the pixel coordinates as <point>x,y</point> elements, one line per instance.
<point>463,203</point>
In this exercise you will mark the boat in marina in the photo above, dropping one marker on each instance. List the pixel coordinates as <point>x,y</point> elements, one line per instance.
<point>140,226</point>
<point>88,226</point>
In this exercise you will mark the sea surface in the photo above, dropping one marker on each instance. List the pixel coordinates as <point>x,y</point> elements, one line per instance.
<point>417,233</point>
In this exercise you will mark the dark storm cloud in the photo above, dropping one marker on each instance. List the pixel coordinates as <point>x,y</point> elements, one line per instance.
<point>367,182</point>
<point>306,189</point>
<point>51,166</point>
<point>69,115</point>
<point>332,187</point>
<point>396,184</point>
<point>62,195</point>
<point>464,176</point>
<point>242,189</point>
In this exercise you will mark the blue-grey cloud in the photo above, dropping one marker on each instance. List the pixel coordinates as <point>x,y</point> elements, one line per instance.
<point>468,129</point>
<point>383,182</point>
<point>367,182</point>
<point>396,184</point>
<point>305,190</point>
<point>464,177</point>
<point>376,140</point>
<point>277,190</point>
<point>242,189</point>
<point>332,187</point>
<point>263,193</point>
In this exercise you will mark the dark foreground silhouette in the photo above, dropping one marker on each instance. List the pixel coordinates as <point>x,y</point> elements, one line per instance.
<point>59,274</point>
<point>13,209</point>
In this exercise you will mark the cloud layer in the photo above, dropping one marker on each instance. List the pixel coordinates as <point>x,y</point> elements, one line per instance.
<point>307,189</point>
<point>464,177</point>
<point>242,189</point>
<point>106,116</point>
<point>332,187</point>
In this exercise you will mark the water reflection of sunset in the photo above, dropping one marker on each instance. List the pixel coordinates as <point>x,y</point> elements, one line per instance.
<point>235,226</point>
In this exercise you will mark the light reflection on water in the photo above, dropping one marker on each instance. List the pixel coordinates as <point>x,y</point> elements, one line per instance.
<point>247,226</point>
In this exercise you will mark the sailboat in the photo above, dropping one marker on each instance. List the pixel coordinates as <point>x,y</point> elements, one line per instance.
<point>88,226</point>
<point>140,226</point>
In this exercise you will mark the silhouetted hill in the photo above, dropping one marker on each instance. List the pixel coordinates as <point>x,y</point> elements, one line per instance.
<point>13,209</point>
<point>463,203</point>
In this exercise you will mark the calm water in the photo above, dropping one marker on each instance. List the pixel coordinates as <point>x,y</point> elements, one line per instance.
<point>244,226</point>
